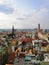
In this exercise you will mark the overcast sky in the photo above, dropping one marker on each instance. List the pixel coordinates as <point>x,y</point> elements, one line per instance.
<point>24,13</point>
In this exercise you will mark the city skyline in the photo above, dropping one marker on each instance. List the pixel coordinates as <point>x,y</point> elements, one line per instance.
<point>24,14</point>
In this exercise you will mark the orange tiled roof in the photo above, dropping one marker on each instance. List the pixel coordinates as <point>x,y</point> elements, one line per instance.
<point>27,40</point>
<point>11,57</point>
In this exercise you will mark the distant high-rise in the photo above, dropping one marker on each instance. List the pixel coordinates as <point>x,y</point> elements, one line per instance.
<point>38,27</point>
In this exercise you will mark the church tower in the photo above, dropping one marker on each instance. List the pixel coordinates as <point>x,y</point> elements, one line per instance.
<point>13,33</point>
<point>38,27</point>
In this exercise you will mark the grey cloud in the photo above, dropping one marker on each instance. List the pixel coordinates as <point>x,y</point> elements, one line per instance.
<point>21,18</point>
